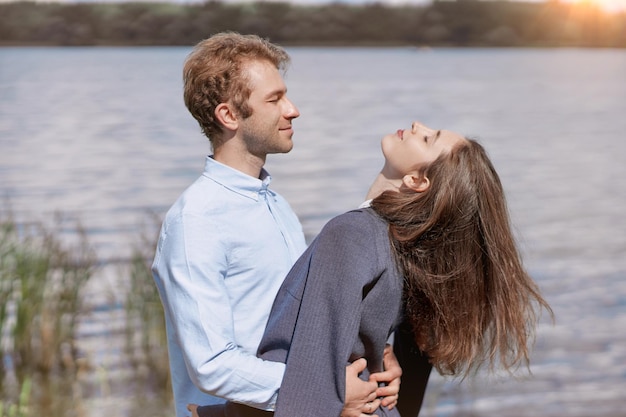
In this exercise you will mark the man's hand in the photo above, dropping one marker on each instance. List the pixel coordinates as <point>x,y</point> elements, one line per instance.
<point>194,409</point>
<point>361,398</point>
<point>391,377</point>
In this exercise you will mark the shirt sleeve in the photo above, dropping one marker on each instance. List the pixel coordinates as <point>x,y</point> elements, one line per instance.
<point>191,265</point>
<point>343,265</point>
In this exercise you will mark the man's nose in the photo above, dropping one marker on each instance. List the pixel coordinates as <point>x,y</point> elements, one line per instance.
<point>291,111</point>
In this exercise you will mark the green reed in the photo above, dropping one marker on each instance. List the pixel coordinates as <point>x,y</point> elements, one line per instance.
<point>20,409</point>
<point>41,283</point>
<point>7,261</point>
<point>146,341</point>
<point>48,280</point>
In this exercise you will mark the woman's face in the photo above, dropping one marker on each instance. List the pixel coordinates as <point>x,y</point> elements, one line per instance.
<point>407,150</point>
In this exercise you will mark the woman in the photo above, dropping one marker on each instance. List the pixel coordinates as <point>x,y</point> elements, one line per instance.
<point>431,258</point>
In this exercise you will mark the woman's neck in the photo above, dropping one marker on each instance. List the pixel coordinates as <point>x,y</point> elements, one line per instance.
<point>382,184</point>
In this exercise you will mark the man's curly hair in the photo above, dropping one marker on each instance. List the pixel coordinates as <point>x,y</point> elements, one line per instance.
<point>214,72</point>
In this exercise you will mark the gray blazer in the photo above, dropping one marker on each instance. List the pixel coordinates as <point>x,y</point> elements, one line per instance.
<point>341,301</point>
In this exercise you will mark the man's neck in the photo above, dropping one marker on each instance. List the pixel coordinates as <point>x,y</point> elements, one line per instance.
<point>239,159</point>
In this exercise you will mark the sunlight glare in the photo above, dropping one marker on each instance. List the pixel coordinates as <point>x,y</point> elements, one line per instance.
<point>606,5</point>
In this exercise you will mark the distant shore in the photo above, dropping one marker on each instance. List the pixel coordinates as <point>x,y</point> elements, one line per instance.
<point>461,23</point>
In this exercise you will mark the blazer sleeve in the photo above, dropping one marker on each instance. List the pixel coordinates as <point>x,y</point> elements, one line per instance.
<point>343,264</point>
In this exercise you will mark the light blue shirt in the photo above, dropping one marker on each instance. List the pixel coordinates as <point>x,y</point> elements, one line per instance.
<point>224,249</point>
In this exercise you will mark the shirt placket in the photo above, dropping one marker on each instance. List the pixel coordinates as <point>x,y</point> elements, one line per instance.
<point>285,231</point>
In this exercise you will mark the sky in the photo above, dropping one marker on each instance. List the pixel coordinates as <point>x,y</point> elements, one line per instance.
<point>608,5</point>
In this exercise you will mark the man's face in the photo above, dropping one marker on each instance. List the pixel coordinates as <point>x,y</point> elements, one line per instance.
<point>268,130</point>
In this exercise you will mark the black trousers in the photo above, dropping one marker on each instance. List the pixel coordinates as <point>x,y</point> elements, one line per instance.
<point>232,410</point>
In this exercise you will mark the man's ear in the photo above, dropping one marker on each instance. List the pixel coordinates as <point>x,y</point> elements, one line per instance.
<point>416,182</point>
<point>226,116</point>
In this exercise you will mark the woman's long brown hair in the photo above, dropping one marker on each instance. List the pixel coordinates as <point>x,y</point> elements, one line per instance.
<point>468,297</point>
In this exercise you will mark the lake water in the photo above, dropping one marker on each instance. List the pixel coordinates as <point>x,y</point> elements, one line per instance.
<point>102,136</point>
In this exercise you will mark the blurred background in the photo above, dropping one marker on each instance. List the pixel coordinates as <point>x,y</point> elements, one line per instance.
<point>96,144</point>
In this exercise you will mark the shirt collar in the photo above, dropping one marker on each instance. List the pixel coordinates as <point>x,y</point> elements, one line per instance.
<point>236,180</point>
<point>366,203</point>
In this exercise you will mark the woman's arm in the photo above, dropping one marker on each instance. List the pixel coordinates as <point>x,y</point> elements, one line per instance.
<point>316,318</point>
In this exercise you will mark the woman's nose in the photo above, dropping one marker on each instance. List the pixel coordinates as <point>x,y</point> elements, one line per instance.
<point>417,126</point>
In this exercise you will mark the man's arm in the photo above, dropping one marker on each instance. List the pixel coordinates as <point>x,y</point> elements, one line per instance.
<point>189,270</point>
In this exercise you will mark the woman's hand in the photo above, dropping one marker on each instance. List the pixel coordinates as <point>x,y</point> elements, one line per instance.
<point>361,398</point>
<point>391,377</point>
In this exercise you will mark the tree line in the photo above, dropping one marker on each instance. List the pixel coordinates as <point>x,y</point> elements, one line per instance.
<point>471,23</point>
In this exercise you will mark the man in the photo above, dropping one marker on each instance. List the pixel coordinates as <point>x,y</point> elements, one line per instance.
<point>228,241</point>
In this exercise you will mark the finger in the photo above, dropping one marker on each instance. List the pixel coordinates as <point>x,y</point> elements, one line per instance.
<point>372,389</point>
<point>357,366</point>
<point>386,400</point>
<point>387,390</point>
<point>390,402</point>
<point>375,404</point>
<point>369,397</point>
<point>193,408</point>
<point>370,406</point>
<point>386,376</point>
